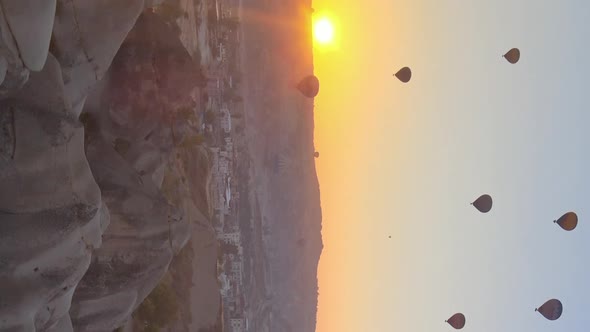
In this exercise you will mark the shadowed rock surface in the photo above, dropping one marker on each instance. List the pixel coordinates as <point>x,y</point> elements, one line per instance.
<point>86,37</point>
<point>130,140</point>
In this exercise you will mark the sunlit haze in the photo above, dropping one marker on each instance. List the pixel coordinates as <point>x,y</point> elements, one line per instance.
<point>323,31</point>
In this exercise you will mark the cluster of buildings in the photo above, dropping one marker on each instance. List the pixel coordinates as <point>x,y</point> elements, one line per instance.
<point>225,114</point>
<point>226,222</point>
<point>231,263</point>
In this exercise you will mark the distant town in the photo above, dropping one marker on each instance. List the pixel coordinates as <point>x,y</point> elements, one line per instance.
<point>223,130</point>
<point>158,169</point>
<point>249,256</point>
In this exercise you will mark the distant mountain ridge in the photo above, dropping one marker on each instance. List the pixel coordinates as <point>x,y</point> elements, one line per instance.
<point>277,53</point>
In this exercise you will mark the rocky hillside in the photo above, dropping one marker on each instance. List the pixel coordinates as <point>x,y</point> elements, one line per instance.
<point>93,107</point>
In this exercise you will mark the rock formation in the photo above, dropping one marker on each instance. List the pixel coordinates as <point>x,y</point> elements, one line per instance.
<point>85,232</point>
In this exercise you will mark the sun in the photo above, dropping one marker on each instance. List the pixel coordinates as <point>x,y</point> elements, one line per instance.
<point>323,31</point>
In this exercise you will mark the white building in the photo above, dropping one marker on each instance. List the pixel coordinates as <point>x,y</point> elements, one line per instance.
<point>229,144</point>
<point>230,238</point>
<point>228,194</point>
<point>222,53</point>
<point>236,271</point>
<point>226,120</point>
<point>225,286</point>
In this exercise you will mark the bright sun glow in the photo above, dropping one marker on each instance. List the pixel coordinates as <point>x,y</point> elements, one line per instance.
<point>323,31</point>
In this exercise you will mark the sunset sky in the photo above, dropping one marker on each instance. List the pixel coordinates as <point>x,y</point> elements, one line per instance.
<point>407,159</point>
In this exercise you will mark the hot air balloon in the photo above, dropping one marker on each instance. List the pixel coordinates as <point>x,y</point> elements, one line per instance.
<point>404,74</point>
<point>568,221</point>
<point>309,86</point>
<point>457,321</point>
<point>512,56</point>
<point>551,309</point>
<point>483,203</point>
<point>316,154</point>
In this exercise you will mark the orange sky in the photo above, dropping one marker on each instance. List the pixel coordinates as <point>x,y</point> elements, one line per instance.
<point>348,94</point>
<point>405,160</point>
<point>359,132</point>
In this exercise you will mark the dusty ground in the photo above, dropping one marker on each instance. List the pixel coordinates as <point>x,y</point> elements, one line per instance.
<point>199,293</point>
<point>205,290</point>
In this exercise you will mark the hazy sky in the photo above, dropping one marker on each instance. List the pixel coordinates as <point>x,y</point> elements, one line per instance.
<point>407,159</point>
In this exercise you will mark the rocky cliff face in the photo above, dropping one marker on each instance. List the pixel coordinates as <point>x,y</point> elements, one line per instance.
<point>130,145</point>
<point>52,212</point>
<point>85,231</point>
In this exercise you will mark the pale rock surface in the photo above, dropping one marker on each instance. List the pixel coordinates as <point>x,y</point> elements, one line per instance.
<point>128,147</point>
<point>87,35</point>
<point>61,268</point>
<point>51,214</point>
<point>25,33</point>
<point>30,22</point>
<point>137,247</point>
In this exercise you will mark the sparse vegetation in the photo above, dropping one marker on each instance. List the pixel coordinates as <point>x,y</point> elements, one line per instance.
<point>159,309</point>
<point>122,146</point>
<point>192,141</point>
<point>185,113</point>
